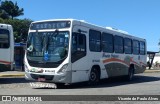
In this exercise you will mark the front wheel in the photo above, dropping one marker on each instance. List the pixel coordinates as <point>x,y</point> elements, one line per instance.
<point>94,77</point>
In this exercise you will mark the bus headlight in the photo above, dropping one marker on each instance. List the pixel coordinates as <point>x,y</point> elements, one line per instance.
<point>63,68</point>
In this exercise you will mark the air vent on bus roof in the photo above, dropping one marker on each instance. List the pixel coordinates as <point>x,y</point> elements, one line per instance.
<point>122,31</point>
<point>82,20</point>
<point>109,28</point>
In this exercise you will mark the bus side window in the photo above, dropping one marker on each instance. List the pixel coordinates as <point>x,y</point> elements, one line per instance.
<point>4,38</point>
<point>74,43</point>
<point>78,46</point>
<point>135,47</point>
<point>142,48</point>
<point>127,46</point>
<point>95,41</point>
<point>118,44</point>
<point>107,42</point>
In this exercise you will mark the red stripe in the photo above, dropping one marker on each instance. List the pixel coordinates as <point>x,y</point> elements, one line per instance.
<point>5,62</point>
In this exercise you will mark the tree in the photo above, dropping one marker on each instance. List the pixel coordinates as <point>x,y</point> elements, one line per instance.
<point>3,14</point>
<point>11,9</point>
<point>20,28</point>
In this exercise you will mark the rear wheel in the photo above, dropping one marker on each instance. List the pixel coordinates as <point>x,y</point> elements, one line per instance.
<point>94,76</point>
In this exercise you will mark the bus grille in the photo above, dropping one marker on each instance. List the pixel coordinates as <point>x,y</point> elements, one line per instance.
<point>47,77</point>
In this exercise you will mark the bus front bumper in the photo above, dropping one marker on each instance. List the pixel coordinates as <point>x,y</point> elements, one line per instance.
<point>56,78</point>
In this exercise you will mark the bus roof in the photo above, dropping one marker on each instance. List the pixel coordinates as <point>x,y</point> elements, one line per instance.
<point>5,26</point>
<point>54,20</point>
<point>124,33</point>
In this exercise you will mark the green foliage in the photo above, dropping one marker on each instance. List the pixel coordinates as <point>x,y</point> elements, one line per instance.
<point>9,9</point>
<point>3,14</point>
<point>1,20</point>
<point>20,28</point>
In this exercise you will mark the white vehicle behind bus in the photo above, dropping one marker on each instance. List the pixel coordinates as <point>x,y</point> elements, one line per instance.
<point>70,51</point>
<point>6,47</point>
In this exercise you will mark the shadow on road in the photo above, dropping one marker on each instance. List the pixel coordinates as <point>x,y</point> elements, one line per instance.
<point>13,80</point>
<point>111,82</point>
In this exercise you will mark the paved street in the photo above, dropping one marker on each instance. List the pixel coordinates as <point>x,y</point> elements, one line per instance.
<point>143,84</point>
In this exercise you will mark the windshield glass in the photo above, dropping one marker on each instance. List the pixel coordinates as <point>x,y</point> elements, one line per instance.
<point>47,46</point>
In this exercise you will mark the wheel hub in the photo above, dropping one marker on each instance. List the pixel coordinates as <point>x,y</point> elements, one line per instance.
<point>93,76</point>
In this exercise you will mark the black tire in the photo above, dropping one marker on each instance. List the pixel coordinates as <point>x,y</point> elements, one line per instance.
<point>94,77</point>
<point>130,75</point>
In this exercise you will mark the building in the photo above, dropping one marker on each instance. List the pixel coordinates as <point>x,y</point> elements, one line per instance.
<point>156,61</point>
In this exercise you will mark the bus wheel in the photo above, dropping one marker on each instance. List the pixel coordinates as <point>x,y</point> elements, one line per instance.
<point>94,76</point>
<point>130,74</point>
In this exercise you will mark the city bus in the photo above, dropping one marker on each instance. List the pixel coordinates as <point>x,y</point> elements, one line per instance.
<point>69,51</point>
<point>6,47</point>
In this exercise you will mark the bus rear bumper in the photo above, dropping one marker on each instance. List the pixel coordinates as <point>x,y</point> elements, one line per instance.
<point>4,67</point>
<point>56,78</point>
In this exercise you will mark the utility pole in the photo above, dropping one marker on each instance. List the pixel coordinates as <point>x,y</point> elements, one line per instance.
<point>159,45</point>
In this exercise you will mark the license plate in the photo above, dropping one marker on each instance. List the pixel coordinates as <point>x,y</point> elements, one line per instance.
<point>41,79</point>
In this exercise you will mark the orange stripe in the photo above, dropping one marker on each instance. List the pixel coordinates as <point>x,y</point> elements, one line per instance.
<point>5,62</point>
<point>114,59</point>
<point>118,60</point>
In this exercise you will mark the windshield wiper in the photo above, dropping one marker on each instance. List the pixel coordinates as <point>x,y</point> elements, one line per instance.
<point>56,32</point>
<point>46,44</point>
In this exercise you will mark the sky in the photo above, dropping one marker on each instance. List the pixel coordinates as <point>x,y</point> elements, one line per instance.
<point>138,17</point>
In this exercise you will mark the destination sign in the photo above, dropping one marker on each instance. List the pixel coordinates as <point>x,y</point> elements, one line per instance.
<point>50,25</point>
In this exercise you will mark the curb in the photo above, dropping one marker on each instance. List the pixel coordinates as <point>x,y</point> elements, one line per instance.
<point>151,71</point>
<point>22,75</point>
<point>12,75</point>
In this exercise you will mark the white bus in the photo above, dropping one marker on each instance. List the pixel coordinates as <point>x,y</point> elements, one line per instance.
<point>6,47</point>
<point>69,51</point>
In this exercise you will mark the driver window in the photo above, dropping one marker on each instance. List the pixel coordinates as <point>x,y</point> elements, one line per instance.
<point>78,43</point>
<point>78,46</point>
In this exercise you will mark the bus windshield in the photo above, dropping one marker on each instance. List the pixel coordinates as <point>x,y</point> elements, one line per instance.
<point>47,46</point>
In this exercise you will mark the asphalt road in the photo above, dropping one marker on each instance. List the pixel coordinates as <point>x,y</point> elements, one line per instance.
<point>143,84</point>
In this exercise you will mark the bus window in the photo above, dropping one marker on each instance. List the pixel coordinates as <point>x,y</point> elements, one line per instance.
<point>142,48</point>
<point>127,46</point>
<point>4,38</point>
<point>118,44</point>
<point>135,47</point>
<point>95,41</point>
<point>107,42</point>
<point>78,46</point>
